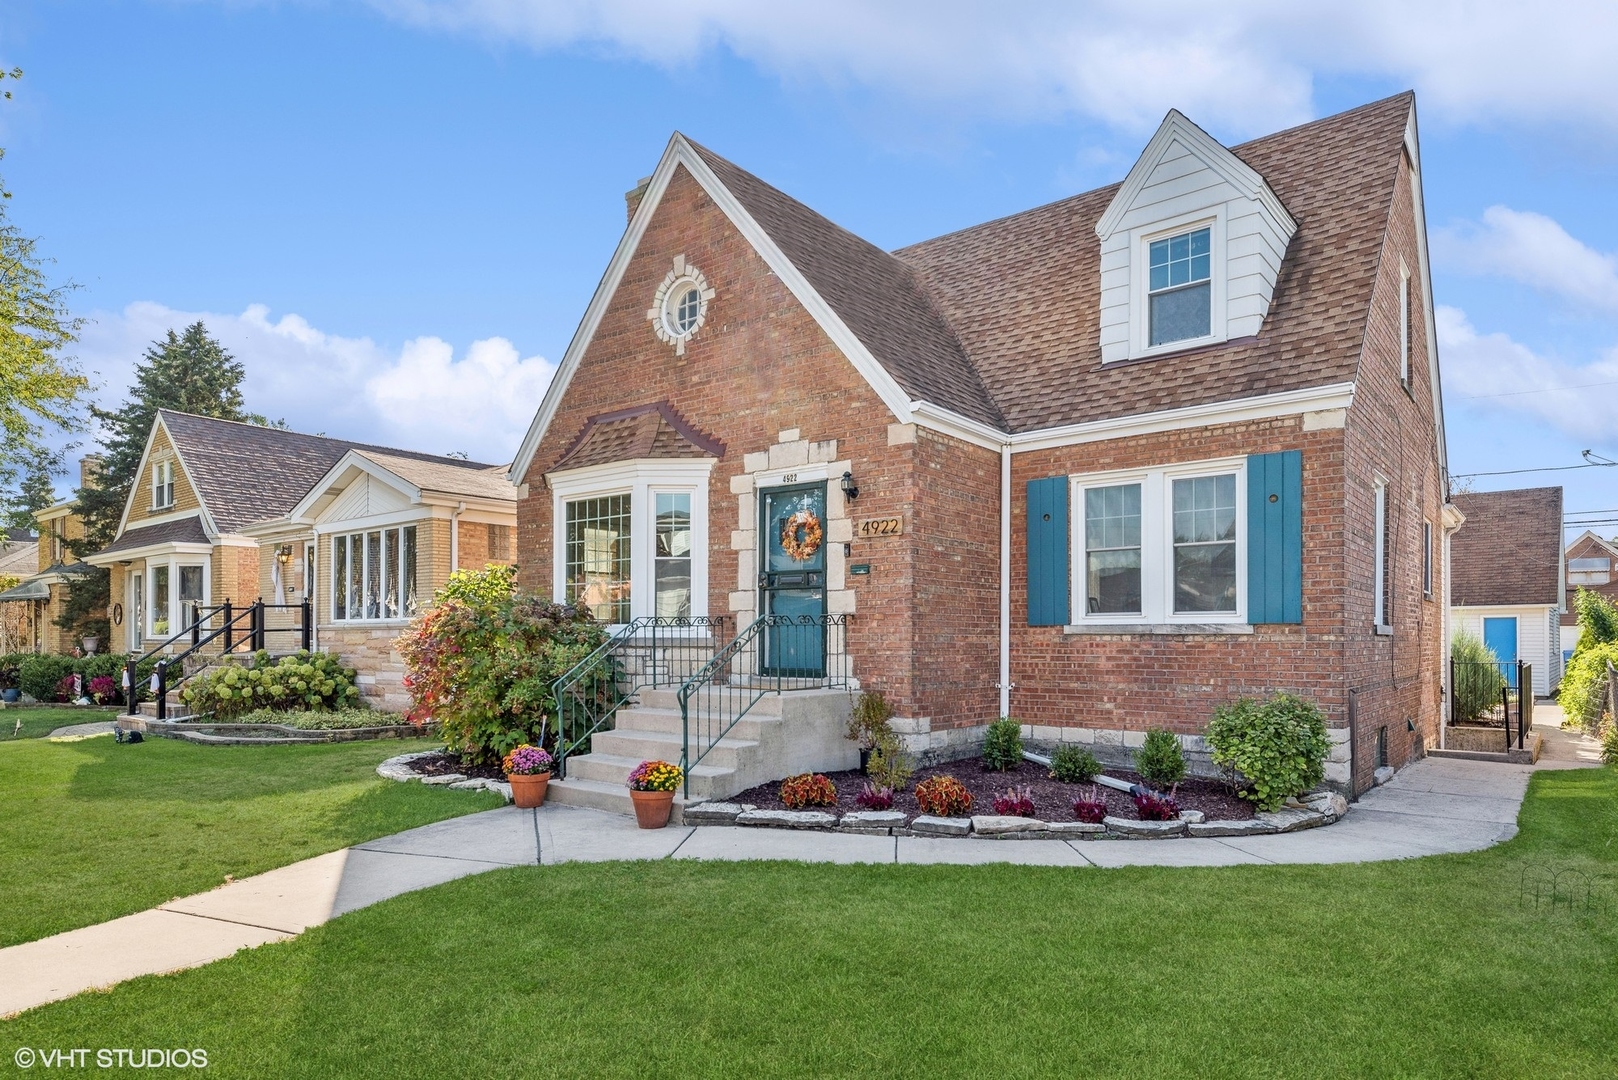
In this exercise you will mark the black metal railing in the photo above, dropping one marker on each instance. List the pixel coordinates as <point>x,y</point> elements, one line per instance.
<point>774,653</point>
<point>1499,695</point>
<point>234,629</point>
<point>646,653</point>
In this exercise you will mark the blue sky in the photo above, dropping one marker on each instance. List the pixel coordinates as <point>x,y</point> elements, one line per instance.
<point>395,212</point>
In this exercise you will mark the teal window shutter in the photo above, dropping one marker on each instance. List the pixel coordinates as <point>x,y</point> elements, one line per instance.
<point>1047,552</point>
<point>1275,537</point>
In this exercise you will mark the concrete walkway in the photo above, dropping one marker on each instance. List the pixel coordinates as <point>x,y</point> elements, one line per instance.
<point>1432,807</point>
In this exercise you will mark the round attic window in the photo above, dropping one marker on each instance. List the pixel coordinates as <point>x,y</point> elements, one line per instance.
<point>680,306</point>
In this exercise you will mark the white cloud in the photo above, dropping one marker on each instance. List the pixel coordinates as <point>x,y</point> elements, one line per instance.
<point>1491,371</point>
<point>1535,250</point>
<point>418,397</point>
<point>1244,67</point>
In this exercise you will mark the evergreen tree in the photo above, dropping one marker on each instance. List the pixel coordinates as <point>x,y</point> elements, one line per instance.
<point>35,491</point>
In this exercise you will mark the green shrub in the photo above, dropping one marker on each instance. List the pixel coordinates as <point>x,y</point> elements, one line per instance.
<point>334,720</point>
<point>1278,747</point>
<point>481,662</point>
<point>1478,680</point>
<point>868,721</point>
<point>302,682</point>
<point>99,664</point>
<point>1002,745</point>
<point>1074,765</point>
<point>40,676</point>
<point>1598,620</point>
<point>1583,694</point>
<point>1160,761</point>
<point>1609,744</point>
<point>889,766</point>
<point>10,667</point>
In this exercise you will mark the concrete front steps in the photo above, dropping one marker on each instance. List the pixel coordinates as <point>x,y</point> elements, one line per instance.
<point>783,734</point>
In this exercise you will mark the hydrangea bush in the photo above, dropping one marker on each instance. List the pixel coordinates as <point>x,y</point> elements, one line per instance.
<point>301,682</point>
<point>1278,746</point>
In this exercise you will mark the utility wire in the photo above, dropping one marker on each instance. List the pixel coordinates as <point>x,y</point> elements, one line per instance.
<point>1540,390</point>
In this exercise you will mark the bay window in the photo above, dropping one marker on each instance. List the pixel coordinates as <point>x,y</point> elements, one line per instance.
<point>160,600</point>
<point>374,575</point>
<point>599,556</point>
<point>673,558</point>
<point>1161,545</point>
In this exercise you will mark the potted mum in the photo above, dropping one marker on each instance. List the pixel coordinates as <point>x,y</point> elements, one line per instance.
<point>528,770</point>
<point>651,787</point>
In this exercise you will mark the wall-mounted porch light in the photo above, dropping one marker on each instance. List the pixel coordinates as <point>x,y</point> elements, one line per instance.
<point>851,490</point>
<point>283,554</point>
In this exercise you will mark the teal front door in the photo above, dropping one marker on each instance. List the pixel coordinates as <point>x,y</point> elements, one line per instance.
<point>792,580</point>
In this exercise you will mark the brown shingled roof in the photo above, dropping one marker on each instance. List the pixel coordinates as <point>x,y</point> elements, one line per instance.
<point>186,530</point>
<point>1509,551</point>
<point>1000,322</point>
<point>645,431</point>
<point>246,472</point>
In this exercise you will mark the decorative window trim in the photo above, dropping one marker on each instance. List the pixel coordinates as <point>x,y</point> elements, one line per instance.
<point>1140,243</point>
<point>641,480</point>
<point>679,280</point>
<point>1157,548</point>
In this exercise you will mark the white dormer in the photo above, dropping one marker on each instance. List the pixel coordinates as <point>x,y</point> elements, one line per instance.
<point>1190,247</point>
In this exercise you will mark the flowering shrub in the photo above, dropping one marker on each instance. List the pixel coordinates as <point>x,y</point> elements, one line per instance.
<point>481,662</point>
<point>312,682</point>
<point>1090,807</point>
<point>104,689</point>
<point>1015,803</point>
<point>655,776</point>
<point>69,688</point>
<point>527,760</point>
<point>874,798</point>
<point>808,789</point>
<point>943,796</point>
<point>1152,807</point>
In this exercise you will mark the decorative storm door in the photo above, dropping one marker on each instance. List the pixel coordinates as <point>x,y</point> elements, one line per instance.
<point>792,580</point>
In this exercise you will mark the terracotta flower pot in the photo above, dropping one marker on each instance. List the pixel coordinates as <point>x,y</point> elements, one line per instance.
<point>652,808</point>
<point>528,791</point>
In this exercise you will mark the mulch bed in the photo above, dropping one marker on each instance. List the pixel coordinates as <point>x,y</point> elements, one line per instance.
<point>443,763</point>
<point>1053,800</point>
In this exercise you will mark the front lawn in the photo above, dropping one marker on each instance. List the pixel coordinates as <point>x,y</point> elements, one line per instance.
<point>1427,968</point>
<point>93,830</point>
<point>37,721</point>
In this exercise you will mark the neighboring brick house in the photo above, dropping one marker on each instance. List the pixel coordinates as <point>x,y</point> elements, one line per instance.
<point>1507,577</point>
<point>32,607</point>
<point>1590,562</point>
<point>1119,459</point>
<point>230,512</point>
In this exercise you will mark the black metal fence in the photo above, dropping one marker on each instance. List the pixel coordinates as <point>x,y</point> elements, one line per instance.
<point>1494,695</point>
<point>213,632</point>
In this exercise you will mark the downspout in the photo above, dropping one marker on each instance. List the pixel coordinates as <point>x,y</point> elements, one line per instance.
<point>455,536</point>
<point>1005,579</point>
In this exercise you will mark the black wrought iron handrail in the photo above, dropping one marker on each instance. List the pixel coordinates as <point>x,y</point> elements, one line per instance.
<point>253,636</point>
<point>774,653</point>
<point>648,652</point>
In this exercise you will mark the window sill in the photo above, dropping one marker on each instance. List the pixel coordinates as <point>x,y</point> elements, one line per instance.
<point>1158,628</point>
<point>1384,631</point>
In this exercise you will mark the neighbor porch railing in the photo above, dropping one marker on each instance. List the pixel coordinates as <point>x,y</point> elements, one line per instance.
<point>648,652</point>
<point>774,653</point>
<point>236,629</point>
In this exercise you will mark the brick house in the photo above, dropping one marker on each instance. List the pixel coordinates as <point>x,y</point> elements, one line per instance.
<point>1508,577</point>
<point>30,608</point>
<point>1589,561</point>
<point>1114,461</point>
<point>229,512</point>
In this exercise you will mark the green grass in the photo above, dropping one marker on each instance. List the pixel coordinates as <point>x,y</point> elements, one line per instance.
<point>1425,968</point>
<point>92,830</point>
<point>37,721</point>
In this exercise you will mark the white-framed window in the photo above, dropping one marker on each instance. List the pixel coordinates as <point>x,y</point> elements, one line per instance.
<point>631,538</point>
<point>176,586</point>
<point>158,605</point>
<point>1177,284</point>
<point>1382,595</point>
<point>163,484</point>
<point>1404,324</point>
<point>374,575</point>
<point>1161,545</point>
<point>1427,556</point>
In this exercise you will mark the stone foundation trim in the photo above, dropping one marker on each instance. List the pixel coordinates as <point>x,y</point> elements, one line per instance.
<point>1176,629</point>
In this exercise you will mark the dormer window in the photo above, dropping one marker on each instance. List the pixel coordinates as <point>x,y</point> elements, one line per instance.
<point>162,485</point>
<point>1181,287</point>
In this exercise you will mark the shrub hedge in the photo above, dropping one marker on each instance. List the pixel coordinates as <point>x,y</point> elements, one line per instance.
<point>40,675</point>
<point>1279,746</point>
<point>302,682</point>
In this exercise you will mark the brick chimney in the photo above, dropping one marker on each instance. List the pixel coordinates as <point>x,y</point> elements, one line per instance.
<point>633,198</point>
<point>90,466</point>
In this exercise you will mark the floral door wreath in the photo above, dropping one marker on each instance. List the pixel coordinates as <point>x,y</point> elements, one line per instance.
<point>806,523</point>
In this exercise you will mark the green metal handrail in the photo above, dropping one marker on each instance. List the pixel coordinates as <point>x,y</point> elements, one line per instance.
<point>647,652</point>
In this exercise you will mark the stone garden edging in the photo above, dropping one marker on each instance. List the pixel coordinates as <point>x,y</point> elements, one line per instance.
<point>1311,812</point>
<point>398,768</point>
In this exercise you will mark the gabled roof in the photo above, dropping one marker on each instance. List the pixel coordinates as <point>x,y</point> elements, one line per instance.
<point>639,433</point>
<point>245,473</point>
<point>447,477</point>
<point>1588,537</point>
<point>1509,551</point>
<point>186,530</point>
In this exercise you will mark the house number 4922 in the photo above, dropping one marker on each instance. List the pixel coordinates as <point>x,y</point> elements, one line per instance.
<point>871,527</point>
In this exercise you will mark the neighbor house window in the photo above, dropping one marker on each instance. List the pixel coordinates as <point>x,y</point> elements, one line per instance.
<point>672,570</point>
<point>1427,559</point>
<point>162,485</point>
<point>599,556</point>
<point>1180,287</point>
<point>1112,564</point>
<point>1589,571</point>
<point>1164,545</point>
<point>1382,599</point>
<point>374,574</point>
